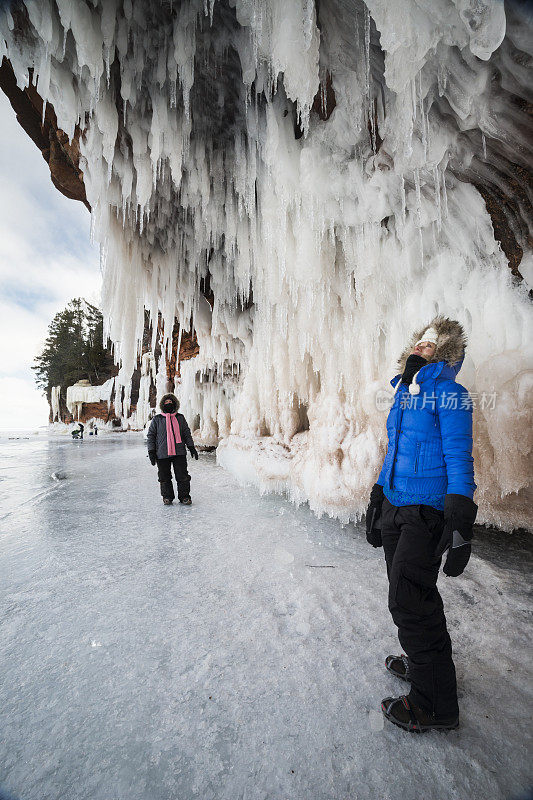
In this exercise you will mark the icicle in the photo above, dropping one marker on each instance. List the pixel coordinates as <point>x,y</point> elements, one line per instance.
<point>368,79</point>
<point>423,117</point>
<point>55,401</point>
<point>437,197</point>
<point>445,197</point>
<point>419,213</point>
<point>441,78</point>
<point>403,201</point>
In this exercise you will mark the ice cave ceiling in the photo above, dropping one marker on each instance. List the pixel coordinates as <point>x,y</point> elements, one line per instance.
<point>328,174</point>
<point>499,159</point>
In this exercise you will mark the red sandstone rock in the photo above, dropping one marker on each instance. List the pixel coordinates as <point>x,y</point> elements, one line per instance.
<point>188,349</point>
<point>62,156</point>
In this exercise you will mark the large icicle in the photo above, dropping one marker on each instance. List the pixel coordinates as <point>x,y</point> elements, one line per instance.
<point>54,402</point>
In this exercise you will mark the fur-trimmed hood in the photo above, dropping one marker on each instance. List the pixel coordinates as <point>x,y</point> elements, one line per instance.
<point>450,352</point>
<point>166,397</point>
<point>450,347</point>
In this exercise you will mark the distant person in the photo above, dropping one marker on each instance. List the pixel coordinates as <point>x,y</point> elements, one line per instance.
<point>77,433</point>
<point>95,431</point>
<point>421,506</point>
<point>167,438</point>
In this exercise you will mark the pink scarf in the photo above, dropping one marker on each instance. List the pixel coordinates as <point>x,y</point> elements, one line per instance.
<point>172,425</point>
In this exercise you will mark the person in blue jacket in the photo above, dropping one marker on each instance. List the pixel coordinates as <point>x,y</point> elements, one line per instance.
<point>420,507</point>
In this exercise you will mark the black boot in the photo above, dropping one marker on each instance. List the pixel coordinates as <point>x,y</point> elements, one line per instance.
<point>398,666</point>
<point>405,714</point>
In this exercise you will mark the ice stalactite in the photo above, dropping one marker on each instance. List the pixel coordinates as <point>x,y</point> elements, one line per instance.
<point>54,402</point>
<point>148,378</point>
<point>304,246</point>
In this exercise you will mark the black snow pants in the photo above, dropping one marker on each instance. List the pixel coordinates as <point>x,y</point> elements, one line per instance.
<point>164,476</point>
<point>410,535</point>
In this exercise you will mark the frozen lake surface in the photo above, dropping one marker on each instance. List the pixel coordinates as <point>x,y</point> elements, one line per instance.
<point>232,649</point>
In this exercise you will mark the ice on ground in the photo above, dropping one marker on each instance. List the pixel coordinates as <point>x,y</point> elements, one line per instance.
<point>231,649</point>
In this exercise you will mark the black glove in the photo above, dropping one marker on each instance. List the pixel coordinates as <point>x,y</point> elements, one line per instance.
<point>373,516</point>
<point>459,517</point>
<point>193,451</point>
<point>152,456</point>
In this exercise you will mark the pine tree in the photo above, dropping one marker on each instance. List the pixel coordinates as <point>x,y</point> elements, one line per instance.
<point>98,359</point>
<point>74,349</point>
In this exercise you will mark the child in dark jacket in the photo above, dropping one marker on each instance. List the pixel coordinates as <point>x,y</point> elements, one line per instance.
<point>167,438</point>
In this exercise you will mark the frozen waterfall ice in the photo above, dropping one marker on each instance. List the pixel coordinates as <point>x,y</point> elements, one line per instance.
<point>303,246</point>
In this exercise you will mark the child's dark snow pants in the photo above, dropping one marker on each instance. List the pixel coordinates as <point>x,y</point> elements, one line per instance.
<point>164,476</point>
<point>410,535</point>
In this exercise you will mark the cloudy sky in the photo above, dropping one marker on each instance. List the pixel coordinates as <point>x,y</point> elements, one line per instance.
<point>46,259</point>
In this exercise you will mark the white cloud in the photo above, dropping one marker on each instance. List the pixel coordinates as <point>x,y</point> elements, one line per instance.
<point>46,259</point>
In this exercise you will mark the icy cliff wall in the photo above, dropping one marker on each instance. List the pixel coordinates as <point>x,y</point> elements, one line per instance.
<point>303,183</point>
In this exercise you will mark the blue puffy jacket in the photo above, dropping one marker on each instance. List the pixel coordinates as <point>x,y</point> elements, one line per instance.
<point>429,453</point>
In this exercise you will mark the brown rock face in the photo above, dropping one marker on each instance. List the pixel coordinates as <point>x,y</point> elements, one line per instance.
<point>325,100</point>
<point>188,349</point>
<point>96,410</point>
<point>62,156</point>
<point>502,209</point>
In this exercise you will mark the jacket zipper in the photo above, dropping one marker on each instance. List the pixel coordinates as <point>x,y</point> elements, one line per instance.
<point>398,429</point>
<point>417,454</point>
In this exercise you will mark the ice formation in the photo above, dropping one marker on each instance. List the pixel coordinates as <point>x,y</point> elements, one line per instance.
<point>54,402</point>
<point>148,376</point>
<point>82,392</point>
<point>295,181</point>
